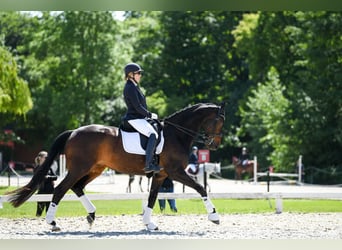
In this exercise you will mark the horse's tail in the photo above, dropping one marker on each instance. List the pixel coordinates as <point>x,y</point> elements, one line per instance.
<point>20,195</point>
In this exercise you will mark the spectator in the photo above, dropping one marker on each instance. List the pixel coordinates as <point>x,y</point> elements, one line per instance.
<point>48,186</point>
<point>167,187</point>
<point>244,158</point>
<point>193,166</point>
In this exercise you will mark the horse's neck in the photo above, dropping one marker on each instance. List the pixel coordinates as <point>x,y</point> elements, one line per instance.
<point>189,120</point>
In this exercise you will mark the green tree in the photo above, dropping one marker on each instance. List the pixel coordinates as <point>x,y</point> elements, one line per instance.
<point>73,68</point>
<point>305,49</point>
<point>15,97</point>
<point>266,120</point>
<point>190,58</point>
<point>322,87</point>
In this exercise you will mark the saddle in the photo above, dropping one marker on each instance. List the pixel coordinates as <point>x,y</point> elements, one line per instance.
<point>134,142</point>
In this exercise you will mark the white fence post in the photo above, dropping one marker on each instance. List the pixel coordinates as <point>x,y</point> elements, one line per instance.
<point>61,166</point>
<point>204,177</point>
<point>255,170</point>
<point>279,205</point>
<point>300,169</point>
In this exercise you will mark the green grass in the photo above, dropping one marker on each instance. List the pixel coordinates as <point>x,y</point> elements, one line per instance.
<point>185,206</point>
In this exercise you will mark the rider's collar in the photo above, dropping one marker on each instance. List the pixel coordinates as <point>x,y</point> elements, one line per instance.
<point>132,80</point>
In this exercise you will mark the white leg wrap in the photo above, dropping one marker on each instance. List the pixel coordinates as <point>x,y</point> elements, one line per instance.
<point>208,205</point>
<point>147,215</point>
<point>50,215</point>
<point>147,219</point>
<point>212,215</point>
<point>88,205</point>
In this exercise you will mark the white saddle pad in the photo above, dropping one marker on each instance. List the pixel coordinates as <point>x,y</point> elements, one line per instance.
<point>131,143</point>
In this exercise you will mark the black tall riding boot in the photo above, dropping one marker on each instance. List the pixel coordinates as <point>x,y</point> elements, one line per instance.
<point>150,148</point>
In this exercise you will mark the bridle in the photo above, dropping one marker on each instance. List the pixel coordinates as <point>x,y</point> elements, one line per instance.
<point>206,139</point>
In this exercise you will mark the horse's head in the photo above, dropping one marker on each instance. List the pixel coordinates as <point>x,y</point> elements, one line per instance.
<point>235,160</point>
<point>212,127</point>
<point>202,122</point>
<point>217,168</point>
<point>211,167</point>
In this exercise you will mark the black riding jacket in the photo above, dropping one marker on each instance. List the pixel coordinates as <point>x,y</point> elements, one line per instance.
<point>48,185</point>
<point>135,101</point>
<point>193,159</point>
<point>243,157</point>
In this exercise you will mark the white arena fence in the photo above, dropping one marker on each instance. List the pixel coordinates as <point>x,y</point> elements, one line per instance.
<point>144,196</point>
<point>280,175</point>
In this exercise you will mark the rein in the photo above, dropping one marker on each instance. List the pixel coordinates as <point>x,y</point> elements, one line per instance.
<point>203,138</point>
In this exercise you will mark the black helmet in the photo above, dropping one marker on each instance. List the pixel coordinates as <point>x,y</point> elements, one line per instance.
<point>132,67</point>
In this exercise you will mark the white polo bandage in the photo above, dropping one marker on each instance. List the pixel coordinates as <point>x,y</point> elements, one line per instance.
<point>87,204</point>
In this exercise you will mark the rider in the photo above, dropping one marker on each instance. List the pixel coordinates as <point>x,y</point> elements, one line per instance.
<point>244,157</point>
<point>137,113</point>
<point>192,167</point>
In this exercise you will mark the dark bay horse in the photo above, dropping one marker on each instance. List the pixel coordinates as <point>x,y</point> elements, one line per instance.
<point>240,170</point>
<point>131,179</point>
<point>90,149</point>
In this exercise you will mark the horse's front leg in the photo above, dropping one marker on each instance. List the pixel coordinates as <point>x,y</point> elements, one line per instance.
<point>151,201</point>
<point>183,178</point>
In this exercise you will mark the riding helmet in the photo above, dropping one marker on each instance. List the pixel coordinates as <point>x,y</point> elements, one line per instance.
<point>132,67</point>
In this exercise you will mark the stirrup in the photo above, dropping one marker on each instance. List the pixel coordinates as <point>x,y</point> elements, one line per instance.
<point>152,168</point>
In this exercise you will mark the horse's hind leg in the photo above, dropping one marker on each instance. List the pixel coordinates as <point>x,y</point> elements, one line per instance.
<point>87,204</point>
<point>129,186</point>
<point>58,194</point>
<point>140,181</point>
<point>237,175</point>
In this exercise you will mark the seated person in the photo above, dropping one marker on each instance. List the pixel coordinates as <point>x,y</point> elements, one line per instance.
<point>193,166</point>
<point>244,158</point>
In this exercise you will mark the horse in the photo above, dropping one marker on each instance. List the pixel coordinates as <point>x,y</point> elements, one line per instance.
<point>240,170</point>
<point>209,168</point>
<point>92,148</point>
<point>131,178</point>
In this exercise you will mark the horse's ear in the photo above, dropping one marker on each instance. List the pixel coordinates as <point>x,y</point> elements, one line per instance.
<point>222,104</point>
<point>221,110</point>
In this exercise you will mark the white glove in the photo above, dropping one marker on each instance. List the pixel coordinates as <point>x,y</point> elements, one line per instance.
<point>154,116</point>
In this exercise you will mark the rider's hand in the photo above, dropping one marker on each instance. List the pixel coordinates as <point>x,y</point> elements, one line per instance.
<point>154,116</point>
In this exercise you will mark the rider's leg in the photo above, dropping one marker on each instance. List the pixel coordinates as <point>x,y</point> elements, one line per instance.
<point>161,204</point>
<point>146,129</point>
<point>150,150</point>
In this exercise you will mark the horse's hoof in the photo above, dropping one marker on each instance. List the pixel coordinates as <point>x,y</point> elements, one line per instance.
<point>55,229</point>
<point>217,222</point>
<point>91,218</point>
<point>151,226</point>
<point>213,217</point>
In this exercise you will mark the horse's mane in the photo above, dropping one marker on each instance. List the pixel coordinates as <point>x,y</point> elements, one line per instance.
<point>191,108</point>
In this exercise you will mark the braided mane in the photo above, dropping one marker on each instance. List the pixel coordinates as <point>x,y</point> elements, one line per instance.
<point>191,108</point>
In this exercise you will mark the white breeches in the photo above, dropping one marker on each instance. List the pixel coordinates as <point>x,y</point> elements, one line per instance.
<point>191,166</point>
<point>143,127</point>
<point>245,162</point>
